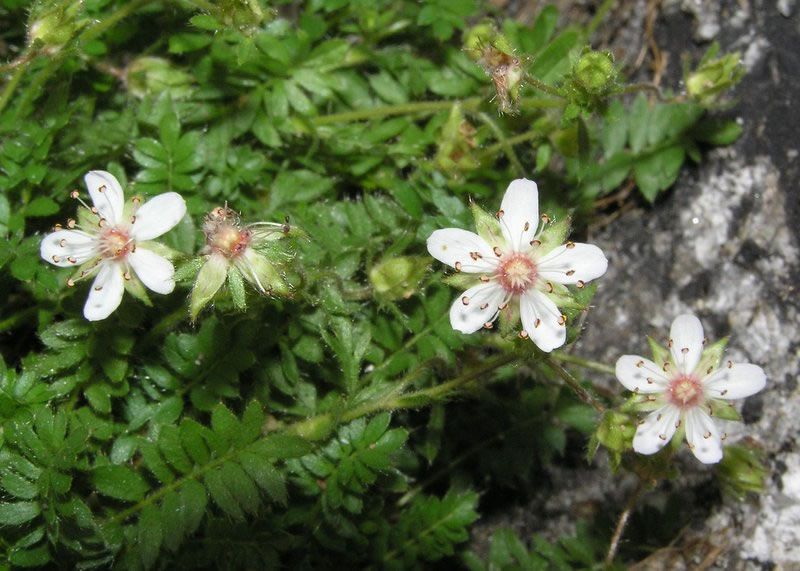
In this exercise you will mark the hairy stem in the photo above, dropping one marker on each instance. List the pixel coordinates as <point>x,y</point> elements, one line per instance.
<point>622,522</point>
<point>582,362</point>
<point>423,107</point>
<point>584,394</point>
<point>504,143</point>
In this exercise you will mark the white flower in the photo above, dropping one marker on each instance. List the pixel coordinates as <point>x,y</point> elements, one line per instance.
<point>685,389</point>
<point>110,242</point>
<point>517,265</point>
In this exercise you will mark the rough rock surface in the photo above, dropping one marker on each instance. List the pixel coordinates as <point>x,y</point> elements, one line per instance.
<point>724,243</point>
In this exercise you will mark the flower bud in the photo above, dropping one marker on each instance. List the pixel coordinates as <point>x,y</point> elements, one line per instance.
<point>53,26</point>
<point>454,154</point>
<point>713,76</point>
<point>154,76</point>
<point>593,78</point>
<point>595,72</point>
<point>397,277</point>
<point>742,470</point>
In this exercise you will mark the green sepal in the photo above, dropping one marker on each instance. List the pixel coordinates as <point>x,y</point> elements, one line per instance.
<point>615,432</point>
<point>209,279</point>
<point>461,281</point>
<point>487,226</point>
<point>661,354</point>
<point>712,357</point>
<point>160,249</point>
<point>509,320</point>
<point>553,235</point>
<point>723,410</point>
<point>236,287</point>
<point>641,403</point>
<point>188,270</point>
<point>261,273</point>
<point>135,287</point>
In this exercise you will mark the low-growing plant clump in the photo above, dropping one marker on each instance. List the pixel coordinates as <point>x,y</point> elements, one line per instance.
<point>260,309</point>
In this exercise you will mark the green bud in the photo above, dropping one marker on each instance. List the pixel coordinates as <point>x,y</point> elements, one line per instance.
<point>616,430</point>
<point>595,73</point>
<point>52,26</point>
<point>397,277</point>
<point>713,76</point>
<point>454,154</point>
<point>742,470</point>
<point>154,76</point>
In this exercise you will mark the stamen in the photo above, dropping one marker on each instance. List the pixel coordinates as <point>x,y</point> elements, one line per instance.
<point>485,279</point>
<point>497,251</point>
<point>678,423</point>
<point>488,325</point>
<point>662,436</point>
<point>98,288</point>
<point>502,306</point>
<point>71,223</point>
<point>56,259</point>
<point>72,260</point>
<point>537,323</point>
<point>570,272</point>
<point>640,364</point>
<point>570,245</point>
<point>70,282</point>
<point>527,226</point>
<point>536,242</point>
<point>458,266</point>
<point>499,214</point>
<point>465,300</point>
<point>550,288</point>
<point>127,276</point>
<point>730,364</point>
<point>707,435</point>
<point>475,256</point>
<point>523,334</point>
<point>545,218</point>
<point>562,320</point>
<point>685,350</point>
<point>580,284</point>
<point>484,306</point>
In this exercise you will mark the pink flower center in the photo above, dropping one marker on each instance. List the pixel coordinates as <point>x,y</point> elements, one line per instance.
<point>685,391</point>
<point>516,273</point>
<point>115,243</point>
<point>229,240</point>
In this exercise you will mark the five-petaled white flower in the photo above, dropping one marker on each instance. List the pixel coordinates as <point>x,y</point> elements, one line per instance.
<point>110,241</point>
<point>684,390</point>
<point>517,264</point>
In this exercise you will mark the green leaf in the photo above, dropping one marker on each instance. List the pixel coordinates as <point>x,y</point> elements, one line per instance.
<point>298,186</point>
<point>18,513</point>
<point>658,171</point>
<point>119,482</point>
<point>41,206</point>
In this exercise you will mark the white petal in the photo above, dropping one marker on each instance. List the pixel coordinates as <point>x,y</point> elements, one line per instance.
<point>686,342</point>
<point>453,246</point>
<point>735,382</point>
<point>158,216</point>
<point>481,307</point>
<point>657,430</point>
<point>156,273</point>
<point>640,375</point>
<point>106,292</point>
<point>67,247</point>
<point>703,436</point>
<point>541,320</point>
<point>106,194</point>
<point>520,213</point>
<point>574,262</point>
